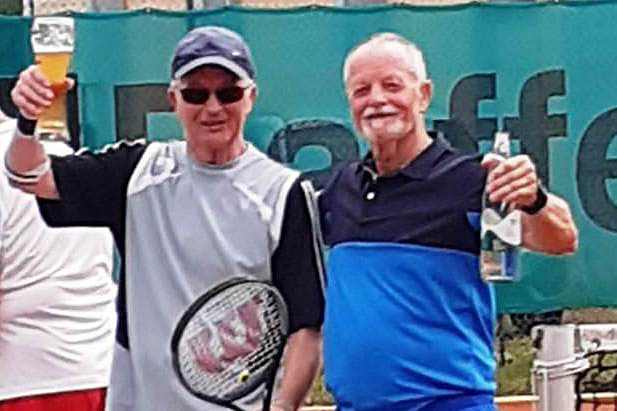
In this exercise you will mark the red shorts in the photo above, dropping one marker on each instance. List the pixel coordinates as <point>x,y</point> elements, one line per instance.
<point>85,400</point>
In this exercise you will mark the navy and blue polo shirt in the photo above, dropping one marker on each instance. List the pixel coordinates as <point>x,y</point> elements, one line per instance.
<point>408,319</point>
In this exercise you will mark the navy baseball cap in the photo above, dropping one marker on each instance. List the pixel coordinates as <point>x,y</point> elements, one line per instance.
<point>213,45</point>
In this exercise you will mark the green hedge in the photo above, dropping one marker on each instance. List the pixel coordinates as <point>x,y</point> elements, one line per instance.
<point>11,7</point>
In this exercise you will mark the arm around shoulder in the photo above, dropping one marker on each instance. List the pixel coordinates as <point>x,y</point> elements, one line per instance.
<point>551,229</point>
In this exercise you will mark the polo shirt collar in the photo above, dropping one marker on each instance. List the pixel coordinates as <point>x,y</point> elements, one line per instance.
<point>421,167</point>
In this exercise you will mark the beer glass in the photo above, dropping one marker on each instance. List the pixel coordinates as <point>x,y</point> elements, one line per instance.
<point>53,40</point>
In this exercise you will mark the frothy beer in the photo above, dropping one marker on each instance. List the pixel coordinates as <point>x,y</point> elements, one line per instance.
<point>53,42</point>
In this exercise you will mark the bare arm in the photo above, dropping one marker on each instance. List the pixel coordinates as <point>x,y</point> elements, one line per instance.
<point>552,229</point>
<point>23,156</point>
<point>514,181</point>
<point>300,366</point>
<point>26,162</point>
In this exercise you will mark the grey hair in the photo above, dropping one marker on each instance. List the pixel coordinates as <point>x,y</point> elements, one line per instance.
<point>411,52</point>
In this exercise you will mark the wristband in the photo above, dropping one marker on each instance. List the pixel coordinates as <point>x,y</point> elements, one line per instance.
<point>541,198</point>
<point>30,177</point>
<point>25,126</point>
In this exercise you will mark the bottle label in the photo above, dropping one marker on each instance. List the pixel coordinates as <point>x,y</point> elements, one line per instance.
<point>507,229</point>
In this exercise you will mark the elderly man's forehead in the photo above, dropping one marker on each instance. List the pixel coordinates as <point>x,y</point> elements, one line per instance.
<point>409,56</point>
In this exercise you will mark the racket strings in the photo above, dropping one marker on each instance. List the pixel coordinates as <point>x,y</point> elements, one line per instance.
<point>232,341</point>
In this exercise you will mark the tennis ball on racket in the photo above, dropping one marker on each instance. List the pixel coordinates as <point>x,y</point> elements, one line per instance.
<point>244,376</point>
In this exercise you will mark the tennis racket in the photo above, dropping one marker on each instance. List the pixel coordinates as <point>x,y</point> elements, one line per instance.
<point>230,341</point>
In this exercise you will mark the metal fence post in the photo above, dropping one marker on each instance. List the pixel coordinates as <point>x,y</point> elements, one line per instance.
<point>556,365</point>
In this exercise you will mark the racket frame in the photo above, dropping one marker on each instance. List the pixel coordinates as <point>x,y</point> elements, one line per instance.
<point>269,375</point>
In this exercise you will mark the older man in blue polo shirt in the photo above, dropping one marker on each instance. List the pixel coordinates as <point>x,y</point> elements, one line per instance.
<point>409,323</point>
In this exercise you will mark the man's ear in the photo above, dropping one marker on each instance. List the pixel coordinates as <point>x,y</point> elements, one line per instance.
<point>248,106</point>
<point>171,98</point>
<point>426,95</point>
<point>254,93</point>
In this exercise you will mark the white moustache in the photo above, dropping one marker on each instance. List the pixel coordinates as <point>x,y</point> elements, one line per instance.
<point>372,111</point>
<point>378,118</point>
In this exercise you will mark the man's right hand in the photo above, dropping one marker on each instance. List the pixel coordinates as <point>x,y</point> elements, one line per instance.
<point>33,94</point>
<point>25,157</point>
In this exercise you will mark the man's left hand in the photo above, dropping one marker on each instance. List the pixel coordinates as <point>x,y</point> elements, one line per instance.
<point>512,181</point>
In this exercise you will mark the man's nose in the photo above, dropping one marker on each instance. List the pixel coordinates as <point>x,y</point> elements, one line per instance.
<point>212,104</point>
<point>377,96</point>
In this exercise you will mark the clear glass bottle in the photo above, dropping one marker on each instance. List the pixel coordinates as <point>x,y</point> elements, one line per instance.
<point>501,230</point>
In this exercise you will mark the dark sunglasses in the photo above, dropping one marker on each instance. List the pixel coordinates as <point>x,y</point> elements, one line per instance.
<point>225,95</point>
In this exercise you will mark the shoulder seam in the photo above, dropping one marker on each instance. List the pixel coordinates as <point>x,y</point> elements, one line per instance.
<point>117,144</point>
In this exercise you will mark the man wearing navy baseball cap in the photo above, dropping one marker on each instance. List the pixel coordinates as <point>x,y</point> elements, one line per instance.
<point>185,215</point>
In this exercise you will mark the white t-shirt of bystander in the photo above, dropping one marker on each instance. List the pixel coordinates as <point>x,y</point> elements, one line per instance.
<point>57,297</point>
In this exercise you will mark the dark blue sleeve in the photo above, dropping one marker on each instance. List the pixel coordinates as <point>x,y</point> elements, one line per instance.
<point>92,187</point>
<point>476,182</point>
<point>325,206</point>
<point>295,269</point>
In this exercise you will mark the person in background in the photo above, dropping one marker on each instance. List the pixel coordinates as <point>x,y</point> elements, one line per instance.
<point>57,304</point>
<point>186,215</point>
<point>409,322</point>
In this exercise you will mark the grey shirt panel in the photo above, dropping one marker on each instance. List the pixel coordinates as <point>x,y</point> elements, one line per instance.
<point>187,228</point>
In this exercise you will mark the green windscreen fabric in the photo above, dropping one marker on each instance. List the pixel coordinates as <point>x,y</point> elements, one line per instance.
<point>15,49</point>
<point>544,72</point>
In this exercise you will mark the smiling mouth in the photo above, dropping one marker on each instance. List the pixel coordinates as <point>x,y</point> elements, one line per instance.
<point>375,116</point>
<point>212,123</point>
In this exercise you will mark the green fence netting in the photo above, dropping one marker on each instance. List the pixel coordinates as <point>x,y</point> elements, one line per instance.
<point>544,72</point>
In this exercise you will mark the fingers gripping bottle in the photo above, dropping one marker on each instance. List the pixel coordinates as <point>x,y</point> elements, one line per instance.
<point>501,230</point>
